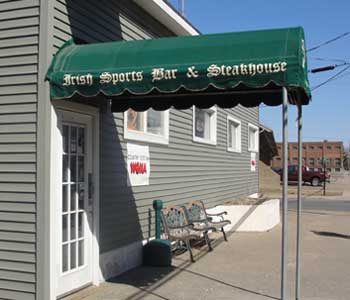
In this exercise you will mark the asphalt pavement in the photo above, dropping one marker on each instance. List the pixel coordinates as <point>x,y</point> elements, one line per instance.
<point>311,204</point>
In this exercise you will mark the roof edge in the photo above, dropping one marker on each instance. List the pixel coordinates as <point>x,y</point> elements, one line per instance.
<point>165,13</point>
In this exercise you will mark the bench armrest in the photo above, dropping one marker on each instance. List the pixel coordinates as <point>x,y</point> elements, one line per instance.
<point>217,214</point>
<point>199,221</point>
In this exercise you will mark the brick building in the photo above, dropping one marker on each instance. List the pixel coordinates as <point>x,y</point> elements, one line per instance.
<point>313,152</point>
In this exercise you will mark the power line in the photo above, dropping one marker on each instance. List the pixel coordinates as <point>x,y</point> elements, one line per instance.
<point>331,78</point>
<point>328,59</point>
<point>329,41</point>
<point>344,75</point>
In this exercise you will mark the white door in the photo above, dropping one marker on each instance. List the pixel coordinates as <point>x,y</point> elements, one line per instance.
<point>75,208</point>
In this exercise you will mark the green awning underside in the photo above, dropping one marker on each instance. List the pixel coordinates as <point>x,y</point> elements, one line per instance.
<point>246,68</point>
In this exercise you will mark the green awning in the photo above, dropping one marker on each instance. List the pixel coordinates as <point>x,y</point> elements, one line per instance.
<point>227,69</point>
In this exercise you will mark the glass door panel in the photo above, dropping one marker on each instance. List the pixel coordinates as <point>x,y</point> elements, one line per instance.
<point>73,197</point>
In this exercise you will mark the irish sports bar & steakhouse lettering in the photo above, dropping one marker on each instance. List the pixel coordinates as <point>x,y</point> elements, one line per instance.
<point>161,74</point>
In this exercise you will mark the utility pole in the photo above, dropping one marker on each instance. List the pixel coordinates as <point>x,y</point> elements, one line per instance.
<point>324,168</point>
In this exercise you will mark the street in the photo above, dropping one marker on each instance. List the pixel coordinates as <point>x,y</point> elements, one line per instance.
<point>311,204</point>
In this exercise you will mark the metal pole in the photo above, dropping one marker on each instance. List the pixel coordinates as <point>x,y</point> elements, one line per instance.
<point>324,169</point>
<point>300,180</point>
<point>182,7</point>
<point>285,194</point>
<point>157,205</point>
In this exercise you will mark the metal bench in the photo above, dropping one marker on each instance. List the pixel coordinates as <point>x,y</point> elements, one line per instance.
<point>196,214</point>
<point>178,229</point>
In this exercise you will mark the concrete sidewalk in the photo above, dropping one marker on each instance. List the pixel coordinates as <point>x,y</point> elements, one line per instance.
<point>246,267</point>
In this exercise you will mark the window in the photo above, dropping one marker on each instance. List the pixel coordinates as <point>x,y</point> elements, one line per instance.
<point>337,169</point>
<point>292,168</point>
<point>204,125</point>
<point>329,147</point>
<point>253,138</point>
<point>337,162</point>
<point>149,126</point>
<point>233,134</point>
<point>320,147</point>
<point>311,161</point>
<point>311,147</point>
<point>295,147</point>
<point>295,158</point>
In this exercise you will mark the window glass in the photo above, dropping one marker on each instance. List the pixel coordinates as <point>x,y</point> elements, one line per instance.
<point>155,120</point>
<point>204,125</point>
<point>135,120</point>
<point>234,135</point>
<point>292,168</point>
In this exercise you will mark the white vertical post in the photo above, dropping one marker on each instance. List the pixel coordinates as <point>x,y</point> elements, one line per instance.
<point>300,180</point>
<point>284,193</point>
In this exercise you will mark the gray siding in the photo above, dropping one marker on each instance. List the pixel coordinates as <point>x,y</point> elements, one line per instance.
<point>19,36</point>
<point>181,171</point>
<point>102,21</point>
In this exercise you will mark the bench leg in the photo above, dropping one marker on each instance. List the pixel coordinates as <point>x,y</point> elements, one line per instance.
<point>224,233</point>
<point>188,246</point>
<point>207,240</point>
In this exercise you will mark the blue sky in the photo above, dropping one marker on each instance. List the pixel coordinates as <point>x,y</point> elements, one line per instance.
<point>328,115</point>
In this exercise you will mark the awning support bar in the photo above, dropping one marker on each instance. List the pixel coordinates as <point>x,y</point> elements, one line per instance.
<point>300,181</point>
<point>284,193</point>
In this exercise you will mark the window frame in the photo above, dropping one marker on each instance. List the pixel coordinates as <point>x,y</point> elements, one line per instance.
<point>147,137</point>
<point>238,136</point>
<point>213,127</point>
<point>256,149</point>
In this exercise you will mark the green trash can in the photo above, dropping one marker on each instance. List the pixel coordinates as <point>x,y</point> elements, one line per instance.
<point>157,253</point>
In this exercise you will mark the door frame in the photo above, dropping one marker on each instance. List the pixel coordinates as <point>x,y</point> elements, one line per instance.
<point>94,113</point>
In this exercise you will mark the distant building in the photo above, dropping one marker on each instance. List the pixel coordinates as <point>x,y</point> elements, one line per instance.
<point>267,145</point>
<point>313,152</point>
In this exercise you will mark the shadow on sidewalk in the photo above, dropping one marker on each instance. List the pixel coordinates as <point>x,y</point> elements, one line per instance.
<point>149,279</point>
<point>157,276</point>
<point>331,234</point>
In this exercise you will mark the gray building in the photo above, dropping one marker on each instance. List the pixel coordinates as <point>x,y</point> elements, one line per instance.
<point>68,216</point>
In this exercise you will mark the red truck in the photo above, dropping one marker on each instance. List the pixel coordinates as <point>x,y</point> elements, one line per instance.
<point>315,178</point>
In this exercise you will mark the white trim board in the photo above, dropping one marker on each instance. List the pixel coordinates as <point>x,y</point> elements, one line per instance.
<point>165,14</point>
<point>120,260</point>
